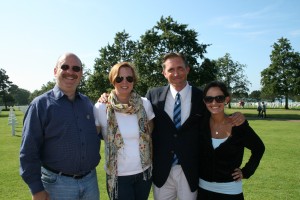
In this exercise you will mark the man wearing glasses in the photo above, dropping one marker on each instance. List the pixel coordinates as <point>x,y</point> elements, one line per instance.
<point>60,146</point>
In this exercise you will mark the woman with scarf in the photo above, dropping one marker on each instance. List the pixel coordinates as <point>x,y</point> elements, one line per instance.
<point>125,122</point>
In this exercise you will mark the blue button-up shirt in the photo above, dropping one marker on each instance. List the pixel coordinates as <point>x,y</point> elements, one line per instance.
<point>58,133</point>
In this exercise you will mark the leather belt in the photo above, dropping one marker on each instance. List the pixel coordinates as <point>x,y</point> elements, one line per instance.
<point>75,176</point>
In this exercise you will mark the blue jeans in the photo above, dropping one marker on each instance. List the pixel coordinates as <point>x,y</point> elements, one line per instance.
<point>67,188</point>
<point>133,187</point>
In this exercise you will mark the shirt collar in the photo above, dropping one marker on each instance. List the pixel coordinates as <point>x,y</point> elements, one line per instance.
<point>182,92</point>
<point>58,93</point>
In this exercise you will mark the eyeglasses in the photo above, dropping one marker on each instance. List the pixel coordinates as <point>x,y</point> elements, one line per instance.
<point>210,99</point>
<point>74,68</point>
<point>119,79</point>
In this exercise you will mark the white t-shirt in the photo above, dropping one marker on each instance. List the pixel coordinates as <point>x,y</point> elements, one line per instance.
<point>129,161</point>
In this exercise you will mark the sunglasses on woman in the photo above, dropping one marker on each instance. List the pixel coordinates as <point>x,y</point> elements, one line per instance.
<point>218,99</point>
<point>74,68</point>
<point>119,79</point>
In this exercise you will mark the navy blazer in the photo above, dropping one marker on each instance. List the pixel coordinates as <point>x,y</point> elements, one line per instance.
<point>167,140</point>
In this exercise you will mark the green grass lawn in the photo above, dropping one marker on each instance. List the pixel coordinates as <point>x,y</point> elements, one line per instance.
<point>272,114</point>
<point>277,177</point>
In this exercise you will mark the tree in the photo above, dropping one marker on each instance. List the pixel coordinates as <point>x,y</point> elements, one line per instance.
<point>48,86</point>
<point>122,49</point>
<point>21,96</point>
<point>255,95</point>
<point>232,74</point>
<point>167,36</point>
<point>83,87</point>
<point>5,84</point>
<point>282,75</point>
<point>9,100</point>
<point>296,66</point>
<point>146,54</point>
<point>208,71</point>
<point>239,95</point>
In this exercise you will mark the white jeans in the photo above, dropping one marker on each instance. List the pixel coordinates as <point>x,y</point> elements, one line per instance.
<point>176,187</point>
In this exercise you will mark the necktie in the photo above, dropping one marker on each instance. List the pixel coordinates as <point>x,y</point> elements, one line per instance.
<point>177,112</point>
<point>177,119</point>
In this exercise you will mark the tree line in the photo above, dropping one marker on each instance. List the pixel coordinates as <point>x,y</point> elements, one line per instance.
<point>280,78</point>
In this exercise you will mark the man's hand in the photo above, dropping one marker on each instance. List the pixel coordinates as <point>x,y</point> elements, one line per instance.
<point>237,119</point>
<point>103,98</point>
<point>42,195</point>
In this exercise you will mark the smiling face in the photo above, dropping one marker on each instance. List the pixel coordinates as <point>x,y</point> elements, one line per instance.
<point>214,107</point>
<point>68,79</point>
<point>124,88</point>
<point>175,71</point>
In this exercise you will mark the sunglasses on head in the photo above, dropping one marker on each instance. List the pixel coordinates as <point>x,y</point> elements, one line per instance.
<point>119,79</point>
<point>210,99</point>
<point>74,68</point>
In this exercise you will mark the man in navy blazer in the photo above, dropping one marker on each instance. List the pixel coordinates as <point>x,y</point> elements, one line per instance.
<point>176,180</point>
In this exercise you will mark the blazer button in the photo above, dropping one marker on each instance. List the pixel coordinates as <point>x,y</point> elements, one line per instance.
<point>175,135</point>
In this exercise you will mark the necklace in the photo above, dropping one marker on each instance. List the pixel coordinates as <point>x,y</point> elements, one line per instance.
<point>218,128</point>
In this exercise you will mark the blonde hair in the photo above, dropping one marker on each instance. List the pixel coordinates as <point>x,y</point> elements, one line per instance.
<point>114,71</point>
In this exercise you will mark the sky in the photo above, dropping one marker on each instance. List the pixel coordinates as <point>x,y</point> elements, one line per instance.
<point>34,33</point>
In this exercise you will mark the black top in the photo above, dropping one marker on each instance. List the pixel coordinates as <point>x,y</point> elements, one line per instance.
<point>217,165</point>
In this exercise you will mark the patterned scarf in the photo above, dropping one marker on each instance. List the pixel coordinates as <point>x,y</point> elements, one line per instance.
<point>115,141</point>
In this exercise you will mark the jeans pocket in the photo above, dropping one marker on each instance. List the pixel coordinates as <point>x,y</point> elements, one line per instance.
<point>48,177</point>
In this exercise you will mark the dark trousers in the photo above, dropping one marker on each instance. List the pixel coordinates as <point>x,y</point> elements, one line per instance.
<point>259,114</point>
<point>263,114</point>
<point>208,195</point>
<point>133,187</point>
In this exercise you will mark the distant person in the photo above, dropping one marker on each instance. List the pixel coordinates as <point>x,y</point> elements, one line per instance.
<point>264,110</point>
<point>222,149</point>
<point>60,146</point>
<point>259,108</point>
<point>125,122</point>
<point>242,103</point>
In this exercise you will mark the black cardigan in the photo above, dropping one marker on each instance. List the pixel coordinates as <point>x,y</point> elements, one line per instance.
<point>217,165</point>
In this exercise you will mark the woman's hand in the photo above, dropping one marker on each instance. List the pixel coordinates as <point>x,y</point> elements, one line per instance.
<point>237,174</point>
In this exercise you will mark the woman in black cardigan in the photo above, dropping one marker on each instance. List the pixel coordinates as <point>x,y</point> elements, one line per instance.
<point>222,149</point>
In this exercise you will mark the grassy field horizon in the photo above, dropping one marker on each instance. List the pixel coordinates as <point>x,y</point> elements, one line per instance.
<point>277,177</point>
